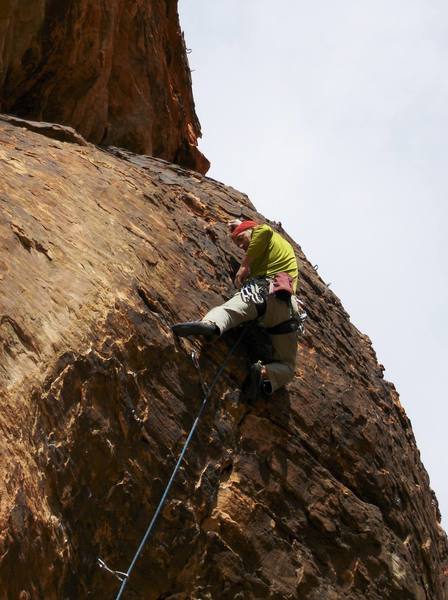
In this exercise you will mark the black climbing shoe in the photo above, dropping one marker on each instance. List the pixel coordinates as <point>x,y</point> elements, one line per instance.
<point>194,328</point>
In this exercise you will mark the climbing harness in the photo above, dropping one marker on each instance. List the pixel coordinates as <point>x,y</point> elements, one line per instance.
<point>124,577</point>
<point>296,323</point>
<point>257,290</point>
<point>289,326</point>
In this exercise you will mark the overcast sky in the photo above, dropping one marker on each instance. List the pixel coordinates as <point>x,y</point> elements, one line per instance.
<point>333,117</point>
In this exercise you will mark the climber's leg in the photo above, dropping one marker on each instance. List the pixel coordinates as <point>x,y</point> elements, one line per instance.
<point>219,319</point>
<point>231,314</point>
<point>284,346</point>
<point>281,370</point>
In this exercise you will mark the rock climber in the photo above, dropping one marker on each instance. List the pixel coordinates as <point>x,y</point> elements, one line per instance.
<point>267,277</point>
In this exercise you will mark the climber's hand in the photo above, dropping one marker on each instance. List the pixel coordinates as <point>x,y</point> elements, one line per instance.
<point>243,273</point>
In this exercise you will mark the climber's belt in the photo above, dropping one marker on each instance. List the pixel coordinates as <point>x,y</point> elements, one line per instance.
<point>296,323</point>
<point>257,290</point>
<point>288,326</point>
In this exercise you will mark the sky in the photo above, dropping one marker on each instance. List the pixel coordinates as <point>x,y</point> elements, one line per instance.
<point>333,118</point>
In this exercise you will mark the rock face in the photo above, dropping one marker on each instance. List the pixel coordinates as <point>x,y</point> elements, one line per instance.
<point>114,70</point>
<point>318,494</point>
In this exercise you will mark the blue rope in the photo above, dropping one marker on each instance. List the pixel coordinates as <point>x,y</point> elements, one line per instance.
<point>125,576</point>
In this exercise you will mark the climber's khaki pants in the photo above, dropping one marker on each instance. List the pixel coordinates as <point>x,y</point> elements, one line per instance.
<point>235,311</point>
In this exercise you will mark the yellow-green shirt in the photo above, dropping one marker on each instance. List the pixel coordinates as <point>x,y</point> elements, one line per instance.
<point>269,253</point>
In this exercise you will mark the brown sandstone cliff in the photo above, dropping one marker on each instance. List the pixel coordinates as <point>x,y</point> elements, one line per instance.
<point>114,70</point>
<point>318,494</point>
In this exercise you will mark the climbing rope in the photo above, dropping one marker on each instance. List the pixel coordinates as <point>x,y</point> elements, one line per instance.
<point>124,577</point>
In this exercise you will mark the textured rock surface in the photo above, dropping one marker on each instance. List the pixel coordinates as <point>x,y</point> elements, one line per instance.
<point>114,70</point>
<point>317,494</point>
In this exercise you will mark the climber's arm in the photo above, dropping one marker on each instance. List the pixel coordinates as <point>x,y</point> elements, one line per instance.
<point>243,271</point>
<point>258,245</point>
